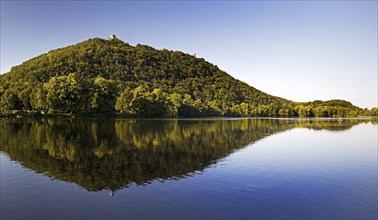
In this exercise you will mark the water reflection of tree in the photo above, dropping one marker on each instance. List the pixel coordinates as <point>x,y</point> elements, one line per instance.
<point>111,154</point>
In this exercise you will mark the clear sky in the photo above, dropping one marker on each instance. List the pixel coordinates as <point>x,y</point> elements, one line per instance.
<point>301,51</point>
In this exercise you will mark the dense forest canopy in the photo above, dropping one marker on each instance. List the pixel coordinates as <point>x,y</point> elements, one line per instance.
<point>111,77</point>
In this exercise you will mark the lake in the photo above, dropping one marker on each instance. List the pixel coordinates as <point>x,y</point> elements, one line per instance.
<point>188,169</point>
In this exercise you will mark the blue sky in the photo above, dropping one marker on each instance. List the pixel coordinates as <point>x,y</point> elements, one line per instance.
<point>301,51</point>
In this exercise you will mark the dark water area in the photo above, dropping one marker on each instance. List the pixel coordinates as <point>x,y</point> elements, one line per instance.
<point>188,169</point>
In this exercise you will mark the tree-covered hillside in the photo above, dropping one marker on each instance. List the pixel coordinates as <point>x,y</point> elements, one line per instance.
<point>100,76</point>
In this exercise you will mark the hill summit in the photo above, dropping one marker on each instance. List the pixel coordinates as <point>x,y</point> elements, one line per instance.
<point>99,76</point>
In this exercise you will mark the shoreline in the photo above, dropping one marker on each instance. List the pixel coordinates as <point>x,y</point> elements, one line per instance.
<point>41,114</point>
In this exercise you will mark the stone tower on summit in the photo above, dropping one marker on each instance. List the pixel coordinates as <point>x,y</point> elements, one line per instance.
<point>112,37</point>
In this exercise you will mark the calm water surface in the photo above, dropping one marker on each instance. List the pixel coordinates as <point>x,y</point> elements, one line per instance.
<point>185,169</point>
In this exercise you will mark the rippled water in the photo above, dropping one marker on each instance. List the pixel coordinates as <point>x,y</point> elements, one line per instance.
<point>180,169</point>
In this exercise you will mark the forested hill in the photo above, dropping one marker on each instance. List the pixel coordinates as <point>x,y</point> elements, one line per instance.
<point>100,76</point>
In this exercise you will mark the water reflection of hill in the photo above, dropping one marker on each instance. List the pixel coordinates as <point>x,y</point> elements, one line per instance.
<point>111,154</point>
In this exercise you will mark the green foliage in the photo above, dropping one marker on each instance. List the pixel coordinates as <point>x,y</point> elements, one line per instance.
<point>100,76</point>
<point>374,112</point>
<point>141,102</point>
<point>66,94</point>
<point>104,95</point>
<point>124,100</point>
<point>9,101</point>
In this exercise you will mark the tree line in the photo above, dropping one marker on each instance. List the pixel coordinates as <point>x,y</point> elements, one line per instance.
<point>99,96</point>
